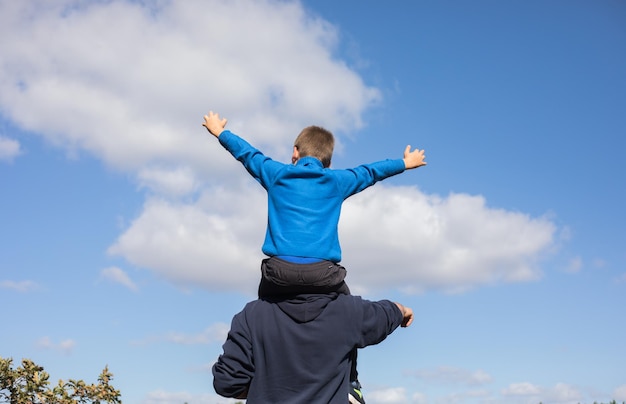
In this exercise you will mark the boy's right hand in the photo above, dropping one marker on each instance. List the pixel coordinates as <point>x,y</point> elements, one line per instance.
<point>413,159</point>
<point>214,124</point>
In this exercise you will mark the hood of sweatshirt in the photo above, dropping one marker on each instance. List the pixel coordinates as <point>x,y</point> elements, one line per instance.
<point>306,307</point>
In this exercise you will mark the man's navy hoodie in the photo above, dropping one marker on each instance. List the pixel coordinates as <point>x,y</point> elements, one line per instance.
<point>298,350</point>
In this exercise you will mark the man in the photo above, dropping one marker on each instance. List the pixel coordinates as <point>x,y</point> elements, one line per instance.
<point>298,349</point>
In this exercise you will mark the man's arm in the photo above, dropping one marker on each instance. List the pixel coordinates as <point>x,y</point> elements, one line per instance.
<point>413,159</point>
<point>380,319</point>
<point>234,369</point>
<point>214,124</point>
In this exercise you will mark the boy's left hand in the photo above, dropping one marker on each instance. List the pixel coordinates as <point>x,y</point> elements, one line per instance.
<point>214,124</point>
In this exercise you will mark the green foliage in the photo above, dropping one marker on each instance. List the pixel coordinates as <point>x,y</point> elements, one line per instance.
<point>29,384</point>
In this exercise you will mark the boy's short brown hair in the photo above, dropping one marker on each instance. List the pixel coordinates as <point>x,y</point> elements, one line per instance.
<point>317,142</point>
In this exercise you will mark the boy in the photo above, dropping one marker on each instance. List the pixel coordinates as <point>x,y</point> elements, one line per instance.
<point>304,204</point>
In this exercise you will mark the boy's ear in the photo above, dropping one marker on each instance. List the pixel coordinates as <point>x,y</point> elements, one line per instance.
<point>295,156</point>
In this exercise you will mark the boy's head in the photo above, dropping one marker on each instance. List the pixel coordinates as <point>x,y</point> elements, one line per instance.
<point>316,142</point>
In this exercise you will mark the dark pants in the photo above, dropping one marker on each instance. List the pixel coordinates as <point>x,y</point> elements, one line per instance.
<point>284,278</point>
<point>280,278</point>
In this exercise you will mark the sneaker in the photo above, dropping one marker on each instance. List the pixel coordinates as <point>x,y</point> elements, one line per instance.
<point>355,396</point>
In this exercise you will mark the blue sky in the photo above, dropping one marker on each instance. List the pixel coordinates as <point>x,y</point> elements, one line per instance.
<point>129,238</point>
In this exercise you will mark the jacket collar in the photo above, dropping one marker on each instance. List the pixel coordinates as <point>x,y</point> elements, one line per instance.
<point>309,160</point>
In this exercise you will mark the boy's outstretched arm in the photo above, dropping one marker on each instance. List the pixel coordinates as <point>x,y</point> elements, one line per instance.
<point>214,124</point>
<point>413,159</point>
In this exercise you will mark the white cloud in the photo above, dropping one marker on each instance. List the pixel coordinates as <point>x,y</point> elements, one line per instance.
<point>560,393</point>
<point>425,242</point>
<point>9,149</point>
<point>453,375</point>
<point>563,393</point>
<point>215,333</point>
<point>214,243</point>
<point>575,265</point>
<point>521,389</point>
<point>620,393</point>
<point>174,182</point>
<point>419,398</point>
<point>468,396</point>
<point>21,286</point>
<point>392,395</point>
<point>136,95</point>
<point>65,346</point>
<point>117,275</point>
<point>598,263</point>
<point>165,397</point>
<point>421,241</point>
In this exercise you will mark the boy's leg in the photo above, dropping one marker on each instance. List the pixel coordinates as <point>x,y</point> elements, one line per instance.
<point>354,375</point>
<point>284,278</point>
<point>355,396</point>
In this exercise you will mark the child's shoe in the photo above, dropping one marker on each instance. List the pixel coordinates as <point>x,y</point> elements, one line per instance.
<point>355,396</point>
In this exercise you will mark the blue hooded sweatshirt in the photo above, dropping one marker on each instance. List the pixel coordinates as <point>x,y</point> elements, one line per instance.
<point>304,200</point>
<point>298,350</point>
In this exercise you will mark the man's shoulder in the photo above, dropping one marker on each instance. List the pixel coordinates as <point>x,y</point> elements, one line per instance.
<point>351,302</point>
<point>255,305</point>
<point>360,302</point>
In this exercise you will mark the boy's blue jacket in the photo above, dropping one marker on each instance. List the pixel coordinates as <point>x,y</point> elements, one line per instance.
<point>304,200</point>
<point>298,350</point>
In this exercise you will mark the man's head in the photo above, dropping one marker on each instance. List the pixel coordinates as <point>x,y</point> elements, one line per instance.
<point>316,142</point>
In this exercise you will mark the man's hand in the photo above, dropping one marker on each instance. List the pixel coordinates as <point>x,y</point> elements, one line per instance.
<point>407,315</point>
<point>214,124</point>
<point>413,159</point>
